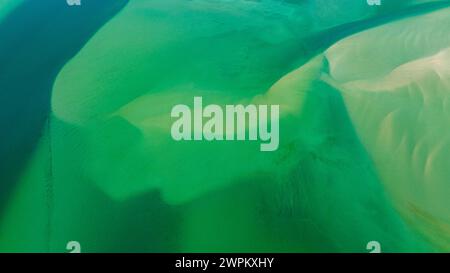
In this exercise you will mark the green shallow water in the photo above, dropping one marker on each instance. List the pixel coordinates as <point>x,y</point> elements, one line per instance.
<point>363,94</point>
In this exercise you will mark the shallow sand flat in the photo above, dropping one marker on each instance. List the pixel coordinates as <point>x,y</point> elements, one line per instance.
<point>400,110</point>
<point>319,143</point>
<point>325,189</point>
<point>240,47</point>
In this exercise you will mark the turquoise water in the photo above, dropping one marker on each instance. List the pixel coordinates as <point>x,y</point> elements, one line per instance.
<point>38,38</point>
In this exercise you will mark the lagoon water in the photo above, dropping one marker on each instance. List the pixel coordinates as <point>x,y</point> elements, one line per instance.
<point>87,153</point>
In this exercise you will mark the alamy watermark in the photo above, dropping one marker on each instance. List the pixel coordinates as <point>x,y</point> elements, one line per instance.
<point>233,122</point>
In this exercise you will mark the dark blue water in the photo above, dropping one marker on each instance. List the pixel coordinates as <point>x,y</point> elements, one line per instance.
<point>36,40</point>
